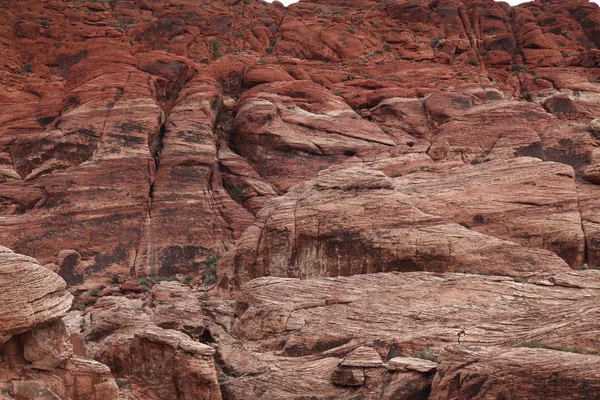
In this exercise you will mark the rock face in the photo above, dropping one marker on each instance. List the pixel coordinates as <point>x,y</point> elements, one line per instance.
<point>410,335</point>
<point>146,137</point>
<point>344,199</point>
<point>152,347</point>
<point>36,357</point>
<point>495,218</point>
<point>476,373</point>
<point>31,295</point>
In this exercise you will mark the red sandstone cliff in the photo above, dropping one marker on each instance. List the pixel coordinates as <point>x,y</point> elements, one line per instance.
<point>326,142</point>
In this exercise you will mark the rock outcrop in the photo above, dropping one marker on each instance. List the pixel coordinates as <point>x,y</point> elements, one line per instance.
<point>152,345</point>
<point>170,125</point>
<point>343,199</point>
<point>36,357</point>
<point>410,334</point>
<point>497,218</point>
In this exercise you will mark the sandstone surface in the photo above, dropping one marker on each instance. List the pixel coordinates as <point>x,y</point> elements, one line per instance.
<point>346,199</point>
<point>146,136</point>
<point>36,357</point>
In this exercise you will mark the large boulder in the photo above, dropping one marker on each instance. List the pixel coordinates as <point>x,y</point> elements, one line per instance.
<point>36,357</point>
<point>31,294</point>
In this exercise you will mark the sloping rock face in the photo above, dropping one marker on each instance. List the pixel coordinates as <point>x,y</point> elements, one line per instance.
<point>498,218</point>
<point>31,295</point>
<point>36,357</point>
<point>357,336</point>
<point>481,375</point>
<point>147,136</point>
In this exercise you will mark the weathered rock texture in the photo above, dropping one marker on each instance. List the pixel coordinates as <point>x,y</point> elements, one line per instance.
<point>36,357</point>
<point>345,160</point>
<point>146,136</point>
<point>331,333</point>
<point>152,346</point>
<point>31,295</point>
<point>498,218</point>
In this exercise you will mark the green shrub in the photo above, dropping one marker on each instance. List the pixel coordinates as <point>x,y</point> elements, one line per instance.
<point>426,354</point>
<point>215,47</point>
<point>43,22</point>
<point>519,68</point>
<point>351,30</point>
<point>27,69</point>
<point>435,40</point>
<point>209,270</point>
<point>396,174</point>
<point>236,194</point>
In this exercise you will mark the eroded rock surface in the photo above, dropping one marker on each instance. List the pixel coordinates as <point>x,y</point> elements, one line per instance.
<point>171,125</point>
<point>401,195</point>
<point>496,218</point>
<point>36,357</point>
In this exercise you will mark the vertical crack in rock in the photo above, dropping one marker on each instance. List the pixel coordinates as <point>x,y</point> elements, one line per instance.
<point>155,149</point>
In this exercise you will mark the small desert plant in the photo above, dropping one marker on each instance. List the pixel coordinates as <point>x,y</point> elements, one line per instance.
<point>519,68</point>
<point>236,194</point>
<point>27,69</point>
<point>435,40</point>
<point>215,47</point>
<point>43,22</point>
<point>351,30</point>
<point>209,270</point>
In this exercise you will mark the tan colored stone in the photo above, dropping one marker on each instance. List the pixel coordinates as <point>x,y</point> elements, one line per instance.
<point>362,357</point>
<point>411,364</point>
<point>31,295</point>
<point>476,219</point>
<point>528,373</point>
